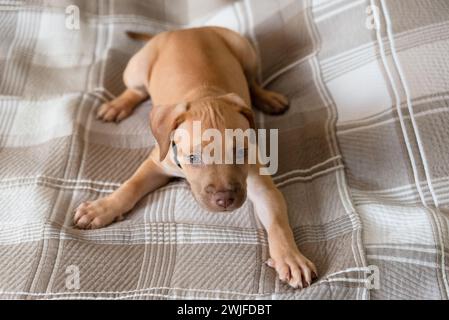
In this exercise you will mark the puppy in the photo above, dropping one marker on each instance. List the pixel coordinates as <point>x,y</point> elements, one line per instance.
<point>207,75</point>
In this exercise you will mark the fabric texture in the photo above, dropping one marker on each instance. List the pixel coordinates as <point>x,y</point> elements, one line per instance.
<point>363,153</point>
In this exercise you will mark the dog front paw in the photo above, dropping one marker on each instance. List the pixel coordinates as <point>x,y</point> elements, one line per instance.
<point>95,214</point>
<point>292,267</point>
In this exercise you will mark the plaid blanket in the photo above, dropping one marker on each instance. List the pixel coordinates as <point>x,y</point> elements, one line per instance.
<point>364,153</point>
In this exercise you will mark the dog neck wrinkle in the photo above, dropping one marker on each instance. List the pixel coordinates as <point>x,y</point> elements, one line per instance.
<point>204,91</point>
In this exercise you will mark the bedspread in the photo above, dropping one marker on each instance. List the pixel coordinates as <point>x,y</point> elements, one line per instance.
<point>363,153</point>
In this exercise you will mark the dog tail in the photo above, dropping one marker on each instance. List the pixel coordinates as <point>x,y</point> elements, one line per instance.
<point>139,36</point>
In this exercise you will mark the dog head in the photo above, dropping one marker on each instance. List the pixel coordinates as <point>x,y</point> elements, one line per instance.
<point>199,132</point>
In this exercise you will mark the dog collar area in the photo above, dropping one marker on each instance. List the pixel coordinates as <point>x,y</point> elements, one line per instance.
<point>175,154</point>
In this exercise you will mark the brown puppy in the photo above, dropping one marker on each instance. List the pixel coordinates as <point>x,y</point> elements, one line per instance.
<point>206,75</point>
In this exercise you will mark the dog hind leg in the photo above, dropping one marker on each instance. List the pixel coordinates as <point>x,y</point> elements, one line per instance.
<point>121,107</point>
<point>136,78</point>
<point>265,100</point>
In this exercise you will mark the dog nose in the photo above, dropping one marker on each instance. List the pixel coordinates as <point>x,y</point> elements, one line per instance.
<point>224,199</point>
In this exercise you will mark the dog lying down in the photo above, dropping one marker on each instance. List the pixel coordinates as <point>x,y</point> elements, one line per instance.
<point>208,75</point>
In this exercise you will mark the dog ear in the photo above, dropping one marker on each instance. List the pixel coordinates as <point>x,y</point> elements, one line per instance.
<point>249,115</point>
<point>243,108</point>
<point>163,121</point>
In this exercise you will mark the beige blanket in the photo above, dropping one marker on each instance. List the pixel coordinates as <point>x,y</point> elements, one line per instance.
<point>364,152</point>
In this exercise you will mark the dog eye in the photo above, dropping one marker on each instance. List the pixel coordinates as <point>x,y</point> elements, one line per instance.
<point>194,159</point>
<point>240,153</point>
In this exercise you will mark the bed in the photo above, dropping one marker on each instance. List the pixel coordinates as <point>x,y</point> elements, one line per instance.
<point>363,153</point>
